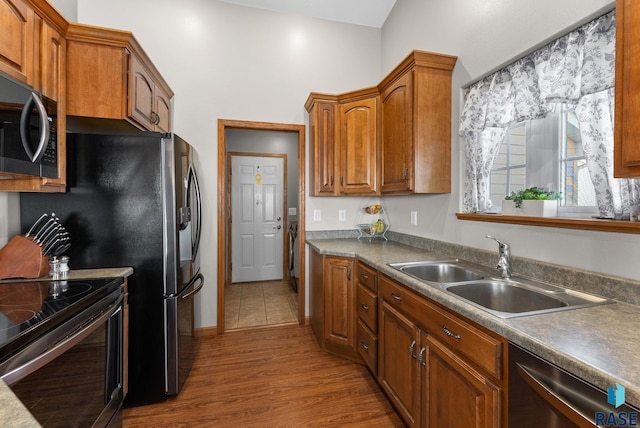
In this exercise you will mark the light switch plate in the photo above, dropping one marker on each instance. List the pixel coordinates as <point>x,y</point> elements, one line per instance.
<point>293,211</point>
<point>342,215</point>
<point>316,215</point>
<point>414,218</point>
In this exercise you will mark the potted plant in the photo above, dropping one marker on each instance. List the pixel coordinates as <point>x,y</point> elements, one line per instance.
<point>533,201</point>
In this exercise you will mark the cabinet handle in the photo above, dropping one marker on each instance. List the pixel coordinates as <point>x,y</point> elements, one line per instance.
<point>395,297</point>
<point>365,307</point>
<point>405,174</point>
<point>412,349</point>
<point>155,118</point>
<point>348,274</point>
<point>331,180</point>
<point>421,357</point>
<point>341,181</point>
<point>450,333</point>
<point>363,276</point>
<point>364,346</point>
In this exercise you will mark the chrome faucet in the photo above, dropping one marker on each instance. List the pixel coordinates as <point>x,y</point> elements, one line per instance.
<point>504,262</point>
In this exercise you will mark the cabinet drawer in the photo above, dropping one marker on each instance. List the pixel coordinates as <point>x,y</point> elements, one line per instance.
<point>401,298</point>
<point>367,307</point>
<point>467,340</point>
<point>368,347</point>
<point>367,276</point>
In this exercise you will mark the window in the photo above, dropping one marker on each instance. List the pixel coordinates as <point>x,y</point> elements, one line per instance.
<point>509,169</point>
<point>545,153</point>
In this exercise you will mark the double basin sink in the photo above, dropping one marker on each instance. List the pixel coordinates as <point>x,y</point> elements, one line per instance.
<point>505,298</point>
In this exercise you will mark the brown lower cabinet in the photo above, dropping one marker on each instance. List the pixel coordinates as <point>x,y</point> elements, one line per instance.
<point>437,368</point>
<point>332,307</point>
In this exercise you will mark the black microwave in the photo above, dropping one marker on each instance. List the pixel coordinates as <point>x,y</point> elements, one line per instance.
<point>28,131</point>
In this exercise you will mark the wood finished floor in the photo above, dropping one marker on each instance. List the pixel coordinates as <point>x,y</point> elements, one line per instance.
<point>270,377</point>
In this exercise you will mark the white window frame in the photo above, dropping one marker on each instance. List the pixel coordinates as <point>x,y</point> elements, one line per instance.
<point>539,149</point>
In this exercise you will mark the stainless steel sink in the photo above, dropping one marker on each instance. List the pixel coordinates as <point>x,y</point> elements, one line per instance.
<point>438,271</point>
<point>511,298</point>
<point>505,298</point>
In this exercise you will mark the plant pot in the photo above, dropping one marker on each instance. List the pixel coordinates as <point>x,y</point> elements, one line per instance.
<point>543,208</point>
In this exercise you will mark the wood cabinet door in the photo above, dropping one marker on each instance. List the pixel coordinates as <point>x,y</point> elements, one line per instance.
<point>339,313</point>
<point>457,396</point>
<point>142,96</point>
<point>322,122</point>
<point>18,40</point>
<point>398,370</point>
<point>358,143</point>
<point>627,91</point>
<point>52,63</point>
<point>162,108</point>
<point>396,151</point>
<point>316,295</point>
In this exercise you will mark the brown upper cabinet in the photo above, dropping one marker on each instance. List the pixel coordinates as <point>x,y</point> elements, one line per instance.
<point>34,53</point>
<point>358,146</point>
<point>17,21</point>
<point>416,125</point>
<point>322,128</point>
<point>110,77</point>
<point>627,92</point>
<point>344,143</point>
<point>34,49</point>
<point>394,138</point>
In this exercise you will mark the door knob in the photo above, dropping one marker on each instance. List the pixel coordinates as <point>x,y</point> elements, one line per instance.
<point>278,227</point>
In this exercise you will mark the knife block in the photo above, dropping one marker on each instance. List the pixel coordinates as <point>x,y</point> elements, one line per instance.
<point>22,258</point>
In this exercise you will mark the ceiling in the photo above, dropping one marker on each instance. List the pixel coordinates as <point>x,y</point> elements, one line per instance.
<point>372,13</point>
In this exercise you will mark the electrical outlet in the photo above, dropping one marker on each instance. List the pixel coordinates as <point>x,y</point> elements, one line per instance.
<point>414,218</point>
<point>316,215</point>
<point>342,215</point>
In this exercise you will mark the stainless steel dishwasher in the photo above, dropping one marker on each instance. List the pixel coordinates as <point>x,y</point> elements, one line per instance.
<point>544,395</point>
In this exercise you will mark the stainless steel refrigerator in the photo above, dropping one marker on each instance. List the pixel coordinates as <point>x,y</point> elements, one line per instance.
<point>133,200</point>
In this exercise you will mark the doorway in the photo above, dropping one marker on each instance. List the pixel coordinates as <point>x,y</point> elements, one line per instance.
<point>225,149</point>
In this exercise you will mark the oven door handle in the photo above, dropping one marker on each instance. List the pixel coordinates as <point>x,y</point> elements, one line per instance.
<point>544,388</point>
<point>32,364</point>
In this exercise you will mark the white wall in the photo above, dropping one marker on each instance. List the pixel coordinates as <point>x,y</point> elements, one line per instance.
<point>485,35</point>
<point>225,61</point>
<point>68,9</point>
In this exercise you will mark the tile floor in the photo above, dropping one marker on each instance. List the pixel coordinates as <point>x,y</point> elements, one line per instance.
<point>252,304</point>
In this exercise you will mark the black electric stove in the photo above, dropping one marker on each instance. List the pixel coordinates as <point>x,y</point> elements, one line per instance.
<point>30,309</point>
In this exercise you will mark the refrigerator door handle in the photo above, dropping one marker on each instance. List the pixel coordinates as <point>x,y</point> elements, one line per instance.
<point>192,180</point>
<point>197,289</point>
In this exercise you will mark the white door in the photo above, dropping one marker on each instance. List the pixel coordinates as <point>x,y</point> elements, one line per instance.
<point>257,189</point>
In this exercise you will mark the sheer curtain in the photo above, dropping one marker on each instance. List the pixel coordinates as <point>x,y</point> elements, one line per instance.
<point>578,69</point>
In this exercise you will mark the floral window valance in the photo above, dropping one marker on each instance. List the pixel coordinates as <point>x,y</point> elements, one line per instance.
<point>579,69</point>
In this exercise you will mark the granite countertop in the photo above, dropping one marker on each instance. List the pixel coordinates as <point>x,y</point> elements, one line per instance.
<point>594,343</point>
<point>12,412</point>
<point>116,272</point>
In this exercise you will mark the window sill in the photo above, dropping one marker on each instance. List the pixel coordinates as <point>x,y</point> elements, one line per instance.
<point>560,222</point>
